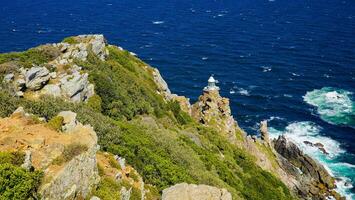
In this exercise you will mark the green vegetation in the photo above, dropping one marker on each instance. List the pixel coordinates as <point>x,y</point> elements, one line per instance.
<point>36,56</point>
<point>70,40</point>
<point>16,182</point>
<point>95,103</point>
<point>55,123</point>
<point>164,144</point>
<point>70,151</point>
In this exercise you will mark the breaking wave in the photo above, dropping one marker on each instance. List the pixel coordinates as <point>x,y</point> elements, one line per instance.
<point>333,105</point>
<point>304,133</point>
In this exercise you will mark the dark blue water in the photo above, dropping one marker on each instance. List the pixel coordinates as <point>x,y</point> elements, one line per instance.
<point>266,54</point>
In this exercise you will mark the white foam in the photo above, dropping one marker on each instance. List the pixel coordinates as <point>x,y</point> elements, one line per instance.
<point>158,22</point>
<point>333,105</point>
<point>266,68</point>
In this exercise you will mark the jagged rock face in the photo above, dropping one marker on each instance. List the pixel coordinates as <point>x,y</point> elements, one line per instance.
<point>184,191</point>
<point>162,85</point>
<point>263,131</point>
<point>213,110</point>
<point>307,171</point>
<point>77,178</point>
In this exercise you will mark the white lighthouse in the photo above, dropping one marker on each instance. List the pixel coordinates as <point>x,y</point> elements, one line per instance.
<point>211,84</point>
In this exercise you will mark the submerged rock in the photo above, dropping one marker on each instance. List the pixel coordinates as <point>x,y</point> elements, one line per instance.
<point>184,191</point>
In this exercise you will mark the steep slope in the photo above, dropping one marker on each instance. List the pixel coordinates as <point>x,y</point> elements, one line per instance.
<point>136,117</point>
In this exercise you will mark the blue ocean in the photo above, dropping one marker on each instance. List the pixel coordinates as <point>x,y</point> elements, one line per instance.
<point>289,62</point>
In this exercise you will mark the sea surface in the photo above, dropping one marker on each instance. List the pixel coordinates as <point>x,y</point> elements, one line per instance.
<point>289,62</point>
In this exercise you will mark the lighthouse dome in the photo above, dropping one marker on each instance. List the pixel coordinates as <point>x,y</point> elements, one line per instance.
<point>211,80</point>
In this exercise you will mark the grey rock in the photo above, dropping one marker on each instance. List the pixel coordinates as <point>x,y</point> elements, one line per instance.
<point>125,194</point>
<point>76,87</point>
<point>118,176</point>
<point>53,75</point>
<point>69,120</point>
<point>79,176</point>
<point>121,161</point>
<point>183,191</point>
<point>19,94</point>
<point>263,131</point>
<point>52,90</point>
<point>28,160</point>
<point>19,112</point>
<point>37,77</point>
<point>309,172</point>
<point>20,83</point>
<point>8,78</point>
<point>162,85</point>
<point>98,46</point>
<point>95,198</point>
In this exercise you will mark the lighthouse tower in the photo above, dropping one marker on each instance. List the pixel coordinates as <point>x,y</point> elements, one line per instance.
<point>211,85</point>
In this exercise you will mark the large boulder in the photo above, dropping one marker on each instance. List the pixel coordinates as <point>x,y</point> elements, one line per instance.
<point>36,77</point>
<point>69,120</point>
<point>52,90</point>
<point>76,87</point>
<point>184,191</point>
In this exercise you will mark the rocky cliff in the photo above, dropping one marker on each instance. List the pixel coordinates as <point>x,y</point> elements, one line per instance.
<point>155,142</point>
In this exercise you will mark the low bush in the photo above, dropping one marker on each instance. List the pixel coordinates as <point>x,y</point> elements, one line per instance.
<point>55,123</point>
<point>17,183</point>
<point>70,151</point>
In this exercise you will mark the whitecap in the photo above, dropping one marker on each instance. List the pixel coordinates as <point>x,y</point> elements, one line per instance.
<point>204,58</point>
<point>266,68</point>
<point>231,91</point>
<point>158,22</point>
<point>333,105</point>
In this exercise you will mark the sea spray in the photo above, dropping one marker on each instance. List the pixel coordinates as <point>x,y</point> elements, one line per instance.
<point>303,133</point>
<point>334,106</point>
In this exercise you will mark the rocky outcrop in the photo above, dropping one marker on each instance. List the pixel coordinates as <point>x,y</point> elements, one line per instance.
<point>184,191</point>
<point>161,84</point>
<point>80,49</point>
<point>76,87</point>
<point>60,77</point>
<point>263,132</point>
<point>315,181</point>
<point>36,77</point>
<point>77,178</point>
<point>213,110</point>
<point>69,120</point>
<point>67,179</point>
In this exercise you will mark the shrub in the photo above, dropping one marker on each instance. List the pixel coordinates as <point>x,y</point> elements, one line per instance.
<point>15,158</point>
<point>17,183</point>
<point>70,40</point>
<point>182,117</point>
<point>55,123</point>
<point>70,151</point>
<point>94,102</point>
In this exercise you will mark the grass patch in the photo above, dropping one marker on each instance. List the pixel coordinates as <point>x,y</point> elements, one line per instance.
<point>70,151</point>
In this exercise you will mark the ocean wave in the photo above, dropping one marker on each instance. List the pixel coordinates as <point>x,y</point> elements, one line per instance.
<point>333,105</point>
<point>305,133</point>
<point>158,22</point>
<point>240,91</point>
